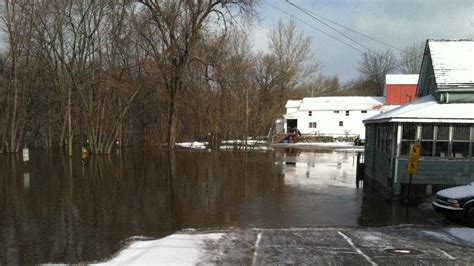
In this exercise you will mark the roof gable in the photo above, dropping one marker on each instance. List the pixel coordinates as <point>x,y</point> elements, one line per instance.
<point>447,64</point>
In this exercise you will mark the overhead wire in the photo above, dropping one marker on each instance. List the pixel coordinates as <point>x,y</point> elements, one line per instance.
<point>355,48</point>
<point>346,27</point>
<point>329,26</point>
<point>317,29</point>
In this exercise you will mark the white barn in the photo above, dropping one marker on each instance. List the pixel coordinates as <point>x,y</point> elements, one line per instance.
<point>333,116</point>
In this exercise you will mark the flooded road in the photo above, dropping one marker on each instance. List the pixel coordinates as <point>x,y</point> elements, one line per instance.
<point>55,209</point>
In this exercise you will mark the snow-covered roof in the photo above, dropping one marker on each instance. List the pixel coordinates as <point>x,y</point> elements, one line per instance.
<point>401,79</point>
<point>342,103</point>
<point>293,104</point>
<point>453,63</point>
<point>427,109</point>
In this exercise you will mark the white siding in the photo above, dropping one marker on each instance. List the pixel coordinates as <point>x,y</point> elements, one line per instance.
<point>328,122</point>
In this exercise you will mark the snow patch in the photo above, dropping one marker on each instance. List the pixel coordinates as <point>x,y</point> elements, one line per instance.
<point>175,249</point>
<point>437,235</point>
<point>251,148</point>
<point>240,141</point>
<point>465,234</point>
<point>192,145</point>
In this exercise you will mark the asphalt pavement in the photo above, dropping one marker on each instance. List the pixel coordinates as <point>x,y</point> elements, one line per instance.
<point>398,245</point>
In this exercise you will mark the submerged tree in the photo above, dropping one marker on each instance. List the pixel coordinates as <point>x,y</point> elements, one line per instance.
<point>17,75</point>
<point>172,32</point>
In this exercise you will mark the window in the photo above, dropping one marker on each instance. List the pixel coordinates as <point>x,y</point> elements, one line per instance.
<point>336,111</point>
<point>310,113</point>
<point>408,137</point>
<point>461,136</point>
<point>364,111</point>
<point>312,124</point>
<point>341,123</point>
<point>442,141</point>
<point>347,113</point>
<point>426,141</point>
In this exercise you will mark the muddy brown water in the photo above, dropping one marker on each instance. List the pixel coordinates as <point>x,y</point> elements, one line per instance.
<point>54,209</point>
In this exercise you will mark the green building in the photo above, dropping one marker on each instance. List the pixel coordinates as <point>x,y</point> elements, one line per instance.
<point>441,120</point>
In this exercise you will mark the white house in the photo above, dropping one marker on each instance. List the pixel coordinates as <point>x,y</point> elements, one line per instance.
<point>334,116</point>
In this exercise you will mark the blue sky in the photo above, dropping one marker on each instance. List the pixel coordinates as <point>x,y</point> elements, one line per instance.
<point>397,22</point>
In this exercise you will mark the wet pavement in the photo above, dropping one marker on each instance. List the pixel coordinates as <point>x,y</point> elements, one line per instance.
<point>399,245</point>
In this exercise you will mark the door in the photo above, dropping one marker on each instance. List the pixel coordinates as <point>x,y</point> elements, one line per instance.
<point>291,123</point>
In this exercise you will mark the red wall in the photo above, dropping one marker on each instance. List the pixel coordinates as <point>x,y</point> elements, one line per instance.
<point>400,94</point>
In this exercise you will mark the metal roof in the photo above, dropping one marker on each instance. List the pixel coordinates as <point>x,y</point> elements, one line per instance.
<point>453,63</point>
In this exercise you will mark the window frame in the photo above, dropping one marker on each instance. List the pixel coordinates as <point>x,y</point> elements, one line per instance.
<point>449,141</point>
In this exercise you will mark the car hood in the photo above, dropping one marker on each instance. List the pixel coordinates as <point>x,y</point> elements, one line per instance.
<point>458,192</point>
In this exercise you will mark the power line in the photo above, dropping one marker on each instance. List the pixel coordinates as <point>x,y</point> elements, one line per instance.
<point>327,25</point>
<point>357,49</point>
<point>375,75</point>
<point>317,29</point>
<point>348,28</point>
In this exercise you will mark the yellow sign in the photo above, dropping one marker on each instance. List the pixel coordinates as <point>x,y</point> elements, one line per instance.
<point>414,151</point>
<point>412,166</point>
<point>413,157</point>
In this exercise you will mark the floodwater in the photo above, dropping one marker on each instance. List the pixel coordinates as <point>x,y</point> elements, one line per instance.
<point>54,209</point>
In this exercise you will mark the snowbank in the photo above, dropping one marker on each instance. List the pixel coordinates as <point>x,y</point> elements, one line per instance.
<point>182,249</point>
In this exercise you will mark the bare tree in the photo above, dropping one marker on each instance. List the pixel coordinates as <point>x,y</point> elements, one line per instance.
<point>17,31</point>
<point>374,66</point>
<point>289,65</point>
<point>410,61</point>
<point>172,35</point>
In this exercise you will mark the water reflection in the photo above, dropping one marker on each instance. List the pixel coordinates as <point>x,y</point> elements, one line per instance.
<point>318,168</point>
<point>57,209</point>
<point>76,210</point>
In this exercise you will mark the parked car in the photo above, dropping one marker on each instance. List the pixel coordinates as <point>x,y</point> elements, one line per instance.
<point>456,203</point>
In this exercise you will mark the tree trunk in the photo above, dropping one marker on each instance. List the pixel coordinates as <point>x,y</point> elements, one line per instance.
<point>173,122</point>
<point>69,123</point>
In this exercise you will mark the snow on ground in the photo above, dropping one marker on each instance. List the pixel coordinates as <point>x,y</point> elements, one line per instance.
<point>251,148</point>
<point>193,145</point>
<point>325,144</point>
<point>337,145</point>
<point>463,233</point>
<point>240,141</point>
<point>314,246</point>
<point>454,234</point>
<point>176,249</point>
<point>233,145</point>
